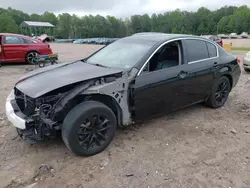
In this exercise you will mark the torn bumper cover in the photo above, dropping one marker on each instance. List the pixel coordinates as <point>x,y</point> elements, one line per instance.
<point>13,114</point>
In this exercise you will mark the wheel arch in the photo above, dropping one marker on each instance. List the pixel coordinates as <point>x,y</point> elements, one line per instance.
<point>105,99</point>
<point>30,52</point>
<point>227,71</point>
<point>230,78</point>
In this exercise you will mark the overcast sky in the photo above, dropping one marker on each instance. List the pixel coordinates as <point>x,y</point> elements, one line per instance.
<point>115,7</point>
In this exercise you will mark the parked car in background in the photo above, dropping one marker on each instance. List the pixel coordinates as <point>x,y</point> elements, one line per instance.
<point>132,79</point>
<point>214,38</point>
<point>246,62</point>
<point>147,33</point>
<point>233,36</point>
<point>244,35</point>
<point>20,48</point>
<point>223,36</point>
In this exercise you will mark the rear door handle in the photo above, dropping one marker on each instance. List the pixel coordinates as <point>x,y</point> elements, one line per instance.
<point>183,74</point>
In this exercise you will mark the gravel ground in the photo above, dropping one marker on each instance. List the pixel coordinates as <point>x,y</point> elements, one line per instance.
<point>238,43</point>
<point>193,147</point>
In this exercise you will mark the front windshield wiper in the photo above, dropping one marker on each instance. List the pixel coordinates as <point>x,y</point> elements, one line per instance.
<point>96,64</point>
<point>99,65</point>
<point>84,60</point>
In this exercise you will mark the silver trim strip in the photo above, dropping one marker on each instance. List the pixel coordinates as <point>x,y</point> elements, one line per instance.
<point>192,62</point>
<point>181,38</point>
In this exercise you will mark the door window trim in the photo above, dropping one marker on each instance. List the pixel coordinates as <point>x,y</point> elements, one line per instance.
<point>159,47</point>
<point>205,59</point>
<point>177,39</point>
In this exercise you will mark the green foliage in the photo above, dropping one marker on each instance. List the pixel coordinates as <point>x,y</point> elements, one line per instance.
<point>228,19</point>
<point>7,24</point>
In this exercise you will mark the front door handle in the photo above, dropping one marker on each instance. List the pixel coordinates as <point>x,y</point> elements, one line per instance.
<point>183,74</point>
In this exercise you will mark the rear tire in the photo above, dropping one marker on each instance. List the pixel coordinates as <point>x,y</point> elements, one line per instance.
<point>247,70</point>
<point>89,128</point>
<point>220,92</point>
<point>31,57</point>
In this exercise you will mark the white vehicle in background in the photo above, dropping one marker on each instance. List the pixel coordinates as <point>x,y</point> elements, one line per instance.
<point>246,62</point>
<point>244,35</point>
<point>233,36</point>
<point>223,36</point>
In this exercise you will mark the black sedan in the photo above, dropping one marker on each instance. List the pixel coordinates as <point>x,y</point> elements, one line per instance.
<point>129,80</point>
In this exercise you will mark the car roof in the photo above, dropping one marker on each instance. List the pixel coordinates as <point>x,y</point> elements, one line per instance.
<point>14,34</point>
<point>158,37</point>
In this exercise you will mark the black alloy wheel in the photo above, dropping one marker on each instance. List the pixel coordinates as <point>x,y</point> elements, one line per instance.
<point>93,131</point>
<point>89,128</point>
<point>220,92</point>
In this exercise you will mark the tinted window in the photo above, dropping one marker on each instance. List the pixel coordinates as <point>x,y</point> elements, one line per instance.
<point>196,50</point>
<point>13,40</point>
<point>211,50</point>
<point>166,57</point>
<point>120,54</point>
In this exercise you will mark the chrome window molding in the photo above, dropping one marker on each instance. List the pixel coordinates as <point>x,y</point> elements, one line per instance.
<point>176,39</point>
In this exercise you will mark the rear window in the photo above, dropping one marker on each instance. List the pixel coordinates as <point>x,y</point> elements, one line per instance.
<point>196,50</point>
<point>27,41</point>
<point>211,50</point>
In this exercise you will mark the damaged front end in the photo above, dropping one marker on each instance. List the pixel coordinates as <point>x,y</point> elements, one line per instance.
<point>36,113</point>
<point>44,115</point>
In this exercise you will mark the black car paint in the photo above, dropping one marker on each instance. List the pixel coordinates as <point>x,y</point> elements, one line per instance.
<point>154,92</point>
<point>36,84</point>
<point>166,90</point>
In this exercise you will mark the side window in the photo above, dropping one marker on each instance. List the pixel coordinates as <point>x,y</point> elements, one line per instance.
<point>196,50</point>
<point>26,41</point>
<point>13,40</point>
<point>167,56</point>
<point>211,50</point>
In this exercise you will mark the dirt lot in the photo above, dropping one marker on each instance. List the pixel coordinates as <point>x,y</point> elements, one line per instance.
<point>238,43</point>
<point>194,147</point>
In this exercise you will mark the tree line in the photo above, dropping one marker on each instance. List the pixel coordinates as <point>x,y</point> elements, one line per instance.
<point>225,20</point>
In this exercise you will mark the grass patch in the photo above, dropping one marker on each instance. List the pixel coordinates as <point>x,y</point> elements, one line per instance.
<point>241,49</point>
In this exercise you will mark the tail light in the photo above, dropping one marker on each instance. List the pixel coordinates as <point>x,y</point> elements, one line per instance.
<point>238,59</point>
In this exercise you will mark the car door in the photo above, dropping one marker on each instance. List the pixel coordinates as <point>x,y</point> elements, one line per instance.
<point>160,91</point>
<point>14,48</point>
<point>202,64</point>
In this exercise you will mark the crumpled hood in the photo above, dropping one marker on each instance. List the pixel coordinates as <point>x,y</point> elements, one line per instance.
<point>41,81</point>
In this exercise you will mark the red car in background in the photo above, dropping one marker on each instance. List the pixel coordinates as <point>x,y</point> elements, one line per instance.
<point>20,48</point>
<point>214,38</point>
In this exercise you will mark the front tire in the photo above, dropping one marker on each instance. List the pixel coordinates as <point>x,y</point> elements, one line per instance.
<point>220,92</point>
<point>89,128</point>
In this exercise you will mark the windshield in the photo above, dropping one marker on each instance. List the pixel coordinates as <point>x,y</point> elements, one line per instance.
<point>120,54</point>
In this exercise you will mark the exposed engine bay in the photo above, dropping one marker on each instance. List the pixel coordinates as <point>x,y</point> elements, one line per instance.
<point>45,114</point>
